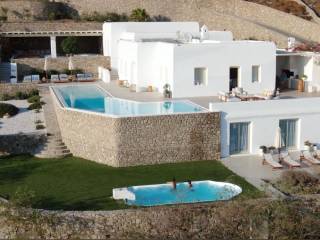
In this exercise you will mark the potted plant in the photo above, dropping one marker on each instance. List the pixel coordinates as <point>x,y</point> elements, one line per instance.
<point>304,77</point>
<point>307,145</point>
<point>263,150</point>
<point>167,91</point>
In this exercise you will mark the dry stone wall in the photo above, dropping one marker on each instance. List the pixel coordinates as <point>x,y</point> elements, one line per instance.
<point>192,221</point>
<point>88,63</point>
<point>21,143</point>
<point>11,89</point>
<point>131,141</point>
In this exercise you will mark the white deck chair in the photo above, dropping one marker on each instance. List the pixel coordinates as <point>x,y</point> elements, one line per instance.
<point>307,156</point>
<point>27,78</point>
<point>268,159</point>
<point>35,78</point>
<point>285,158</point>
<point>54,77</point>
<point>81,77</point>
<point>63,77</point>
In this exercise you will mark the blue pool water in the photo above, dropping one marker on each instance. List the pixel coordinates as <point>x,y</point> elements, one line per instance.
<point>163,194</point>
<point>93,98</point>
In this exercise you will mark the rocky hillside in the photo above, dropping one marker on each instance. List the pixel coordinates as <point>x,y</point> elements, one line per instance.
<point>288,6</point>
<point>313,4</point>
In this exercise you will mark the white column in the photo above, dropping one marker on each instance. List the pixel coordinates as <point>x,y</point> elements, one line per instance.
<point>53,46</point>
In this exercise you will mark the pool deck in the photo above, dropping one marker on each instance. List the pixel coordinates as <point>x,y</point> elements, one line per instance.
<point>251,168</point>
<point>122,92</point>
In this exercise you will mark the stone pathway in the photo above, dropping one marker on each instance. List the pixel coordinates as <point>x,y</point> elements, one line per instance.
<point>54,146</point>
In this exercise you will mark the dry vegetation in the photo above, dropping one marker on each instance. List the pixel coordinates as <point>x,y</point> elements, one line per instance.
<point>288,6</point>
<point>314,4</point>
<point>298,182</point>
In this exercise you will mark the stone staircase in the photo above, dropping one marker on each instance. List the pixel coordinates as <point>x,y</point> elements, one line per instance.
<point>54,146</point>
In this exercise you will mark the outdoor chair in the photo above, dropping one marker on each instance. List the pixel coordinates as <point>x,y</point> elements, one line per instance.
<point>63,77</point>
<point>286,159</point>
<point>268,159</point>
<point>81,77</point>
<point>54,78</point>
<point>27,79</point>
<point>308,157</point>
<point>88,76</point>
<point>35,78</point>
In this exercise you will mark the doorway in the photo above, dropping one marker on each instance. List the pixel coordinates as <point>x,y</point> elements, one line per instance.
<point>234,78</point>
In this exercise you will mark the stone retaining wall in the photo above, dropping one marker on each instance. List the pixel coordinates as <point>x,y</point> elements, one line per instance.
<point>11,89</point>
<point>21,143</point>
<point>192,221</point>
<point>131,141</point>
<point>88,63</point>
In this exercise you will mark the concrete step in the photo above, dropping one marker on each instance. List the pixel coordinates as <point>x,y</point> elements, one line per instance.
<point>44,156</point>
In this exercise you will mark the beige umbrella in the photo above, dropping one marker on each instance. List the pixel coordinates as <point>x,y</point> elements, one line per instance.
<point>70,64</point>
<point>45,67</point>
<point>278,141</point>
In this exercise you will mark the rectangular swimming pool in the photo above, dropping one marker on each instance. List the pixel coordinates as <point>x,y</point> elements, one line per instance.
<point>93,98</point>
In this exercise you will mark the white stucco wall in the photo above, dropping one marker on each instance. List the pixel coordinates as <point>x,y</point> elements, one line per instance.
<point>218,58</point>
<point>112,33</point>
<point>264,119</point>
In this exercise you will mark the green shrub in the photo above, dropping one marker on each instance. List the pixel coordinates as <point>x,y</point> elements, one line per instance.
<point>9,109</point>
<point>6,97</point>
<point>36,105</point>
<point>34,92</point>
<point>40,126</point>
<point>139,15</point>
<point>38,122</point>
<point>105,17</point>
<point>70,45</point>
<point>33,99</point>
<point>21,95</point>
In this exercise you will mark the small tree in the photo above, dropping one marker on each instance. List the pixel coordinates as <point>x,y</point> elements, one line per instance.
<point>70,45</point>
<point>139,15</point>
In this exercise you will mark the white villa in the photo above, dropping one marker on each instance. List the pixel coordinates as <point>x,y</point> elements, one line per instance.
<point>196,62</point>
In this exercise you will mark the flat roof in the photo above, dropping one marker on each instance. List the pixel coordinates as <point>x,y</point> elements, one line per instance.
<point>284,53</point>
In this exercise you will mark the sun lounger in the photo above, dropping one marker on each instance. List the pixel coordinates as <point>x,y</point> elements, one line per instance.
<point>81,77</point>
<point>88,76</point>
<point>27,79</point>
<point>54,78</point>
<point>268,159</point>
<point>63,77</point>
<point>35,78</point>
<point>307,156</point>
<point>286,159</point>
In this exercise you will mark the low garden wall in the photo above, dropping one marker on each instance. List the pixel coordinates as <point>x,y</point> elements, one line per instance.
<point>21,143</point>
<point>130,141</point>
<point>11,89</point>
<point>88,63</point>
<point>192,221</point>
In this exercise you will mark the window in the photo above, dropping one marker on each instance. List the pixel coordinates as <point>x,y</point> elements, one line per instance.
<point>239,137</point>
<point>288,132</point>
<point>256,73</point>
<point>200,76</point>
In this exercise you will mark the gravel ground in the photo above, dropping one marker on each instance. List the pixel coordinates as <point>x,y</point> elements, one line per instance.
<point>23,122</point>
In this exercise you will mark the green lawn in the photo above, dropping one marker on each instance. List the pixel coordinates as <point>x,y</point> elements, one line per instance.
<point>77,184</point>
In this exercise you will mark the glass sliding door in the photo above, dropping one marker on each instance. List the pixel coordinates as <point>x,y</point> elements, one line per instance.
<point>239,137</point>
<point>289,132</point>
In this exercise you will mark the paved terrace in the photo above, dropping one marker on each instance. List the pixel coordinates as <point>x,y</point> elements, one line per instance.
<point>122,92</point>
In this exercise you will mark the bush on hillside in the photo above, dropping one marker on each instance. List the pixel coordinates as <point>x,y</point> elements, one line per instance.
<point>105,17</point>
<point>21,95</point>
<point>298,182</point>
<point>36,105</point>
<point>8,109</point>
<point>139,15</point>
<point>6,97</point>
<point>59,10</point>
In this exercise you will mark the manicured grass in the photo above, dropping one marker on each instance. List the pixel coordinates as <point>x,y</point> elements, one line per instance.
<point>77,184</point>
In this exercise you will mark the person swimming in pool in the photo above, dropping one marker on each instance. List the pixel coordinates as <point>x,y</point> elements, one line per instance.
<point>174,183</point>
<point>190,183</point>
